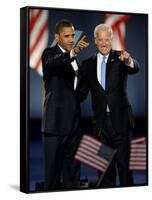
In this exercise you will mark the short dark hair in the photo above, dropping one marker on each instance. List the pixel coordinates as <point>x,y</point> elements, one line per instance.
<point>61,24</point>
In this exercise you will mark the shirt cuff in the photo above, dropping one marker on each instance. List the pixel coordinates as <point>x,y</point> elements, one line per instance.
<point>72,54</point>
<point>131,63</point>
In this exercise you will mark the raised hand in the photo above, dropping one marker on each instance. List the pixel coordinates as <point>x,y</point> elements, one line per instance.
<point>125,56</point>
<point>82,44</point>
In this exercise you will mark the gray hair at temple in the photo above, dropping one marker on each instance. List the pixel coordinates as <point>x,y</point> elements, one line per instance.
<point>103,27</point>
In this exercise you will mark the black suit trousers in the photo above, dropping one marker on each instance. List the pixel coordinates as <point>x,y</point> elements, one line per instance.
<point>120,142</point>
<point>59,163</point>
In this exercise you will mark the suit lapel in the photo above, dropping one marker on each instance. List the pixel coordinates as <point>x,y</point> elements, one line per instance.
<point>94,67</point>
<point>57,49</point>
<point>94,71</point>
<point>70,73</point>
<point>78,71</point>
<point>108,67</point>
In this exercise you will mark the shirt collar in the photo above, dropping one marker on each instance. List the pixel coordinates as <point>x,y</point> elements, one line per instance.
<point>63,50</point>
<point>101,56</point>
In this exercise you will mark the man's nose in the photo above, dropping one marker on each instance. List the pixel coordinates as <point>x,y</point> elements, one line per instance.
<point>71,39</point>
<point>103,43</point>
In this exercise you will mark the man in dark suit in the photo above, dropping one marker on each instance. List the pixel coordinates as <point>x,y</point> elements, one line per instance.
<point>60,122</point>
<point>106,78</point>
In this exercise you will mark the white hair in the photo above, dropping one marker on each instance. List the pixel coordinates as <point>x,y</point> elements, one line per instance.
<point>103,27</point>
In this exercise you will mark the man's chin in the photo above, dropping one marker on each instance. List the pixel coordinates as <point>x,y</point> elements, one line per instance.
<point>68,49</point>
<point>104,52</point>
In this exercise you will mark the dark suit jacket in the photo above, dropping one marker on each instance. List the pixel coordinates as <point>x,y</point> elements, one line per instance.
<point>115,94</point>
<point>61,105</point>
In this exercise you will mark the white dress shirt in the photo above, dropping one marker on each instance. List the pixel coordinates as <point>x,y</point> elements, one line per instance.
<point>74,66</point>
<point>99,61</point>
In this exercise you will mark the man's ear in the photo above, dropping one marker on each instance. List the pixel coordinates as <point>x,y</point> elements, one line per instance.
<point>56,37</point>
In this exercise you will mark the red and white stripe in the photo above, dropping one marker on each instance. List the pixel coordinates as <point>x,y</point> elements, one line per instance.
<point>38,37</point>
<point>117,23</point>
<point>88,153</point>
<point>138,154</point>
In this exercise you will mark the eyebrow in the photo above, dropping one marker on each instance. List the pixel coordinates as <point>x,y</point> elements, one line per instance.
<point>69,34</point>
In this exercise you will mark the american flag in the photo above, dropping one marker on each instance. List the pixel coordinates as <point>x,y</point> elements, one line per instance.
<point>138,154</point>
<point>38,30</point>
<point>117,23</point>
<point>97,155</point>
<point>94,153</point>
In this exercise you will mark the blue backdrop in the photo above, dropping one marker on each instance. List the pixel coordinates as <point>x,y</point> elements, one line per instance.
<point>136,45</point>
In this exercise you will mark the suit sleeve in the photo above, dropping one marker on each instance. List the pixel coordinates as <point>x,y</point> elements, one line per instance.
<point>133,70</point>
<point>52,60</point>
<point>83,88</point>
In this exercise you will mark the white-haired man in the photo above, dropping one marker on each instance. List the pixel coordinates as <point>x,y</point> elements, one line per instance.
<point>106,78</point>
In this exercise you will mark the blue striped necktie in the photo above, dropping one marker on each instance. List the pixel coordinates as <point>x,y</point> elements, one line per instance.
<point>103,75</point>
<point>103,72</point>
